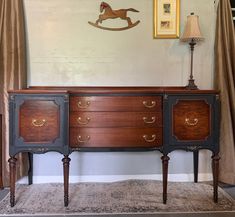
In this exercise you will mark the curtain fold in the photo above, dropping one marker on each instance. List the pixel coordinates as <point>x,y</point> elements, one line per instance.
<point>12,71</point>
<point>225,82</point>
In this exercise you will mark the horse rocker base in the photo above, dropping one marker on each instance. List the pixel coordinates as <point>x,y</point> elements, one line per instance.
<point>108,13</point>
<point>114,29</point>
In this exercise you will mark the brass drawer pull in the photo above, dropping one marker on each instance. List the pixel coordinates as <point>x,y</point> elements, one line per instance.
<point>191,122</point>
<point>81,122</point>
<point>147,121</point>
<point>38,123</point>
<point>146,138</point>
<point>149,105</point>
<point>80,140</point>
<point>83,105</point>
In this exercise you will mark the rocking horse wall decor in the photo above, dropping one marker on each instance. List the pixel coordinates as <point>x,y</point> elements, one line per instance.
<point>108,13</point>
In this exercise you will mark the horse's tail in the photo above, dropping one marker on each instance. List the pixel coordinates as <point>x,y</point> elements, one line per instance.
<point>132,9</point>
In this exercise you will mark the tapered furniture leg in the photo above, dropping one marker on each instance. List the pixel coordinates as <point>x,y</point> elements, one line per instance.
<point>215,170</point>
<point>165,160</point>
<point>66,162</point>
<point>12,165</point>
<point>195,165</point>
<point>1,160</point>
<point>30,171</point>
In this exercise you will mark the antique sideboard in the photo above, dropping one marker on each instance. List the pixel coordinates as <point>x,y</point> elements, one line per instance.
<point>67,119</point>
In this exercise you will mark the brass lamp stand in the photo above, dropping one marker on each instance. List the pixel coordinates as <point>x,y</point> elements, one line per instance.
<point>192,34</point>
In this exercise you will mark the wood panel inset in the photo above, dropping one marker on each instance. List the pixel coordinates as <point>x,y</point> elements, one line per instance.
<point>39,121</point>
<point>191,120</point>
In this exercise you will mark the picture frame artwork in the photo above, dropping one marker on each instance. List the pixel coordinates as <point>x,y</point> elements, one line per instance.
<point>166,18</point>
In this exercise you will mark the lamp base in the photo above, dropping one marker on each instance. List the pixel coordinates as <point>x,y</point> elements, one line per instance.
<point>191,85</point>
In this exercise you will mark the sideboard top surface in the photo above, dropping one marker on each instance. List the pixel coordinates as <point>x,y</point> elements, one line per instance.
<point>108,90</point>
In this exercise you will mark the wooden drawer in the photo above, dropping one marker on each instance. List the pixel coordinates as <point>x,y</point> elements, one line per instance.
<point>115,119</point>
<point>39,121</point>
<point>115,137</point>
<point>191,120</point>
<point>116,103</point>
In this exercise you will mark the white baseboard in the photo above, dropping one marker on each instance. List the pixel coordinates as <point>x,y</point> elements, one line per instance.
<point>112,178</point>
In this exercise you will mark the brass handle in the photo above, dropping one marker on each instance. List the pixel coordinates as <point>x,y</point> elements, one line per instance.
<point>191,122</point>
<point>38,123</point>
<point>83,105</point>
<point>80,140</point>
<point>146,138</point>
<point>152,104</point>
<point>147,121</point>
<point>80,121</point>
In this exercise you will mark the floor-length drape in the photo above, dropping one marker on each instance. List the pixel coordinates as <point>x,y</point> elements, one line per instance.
<point>225,81</point>
<point>12,69</point>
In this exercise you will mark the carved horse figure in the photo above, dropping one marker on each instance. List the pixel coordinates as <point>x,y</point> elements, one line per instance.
<point>109,13</point>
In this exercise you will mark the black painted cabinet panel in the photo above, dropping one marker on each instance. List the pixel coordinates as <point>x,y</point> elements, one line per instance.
<point>191,122</point>
<point>38,123</point>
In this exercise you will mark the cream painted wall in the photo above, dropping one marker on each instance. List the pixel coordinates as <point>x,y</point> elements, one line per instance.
<point>63,49</point>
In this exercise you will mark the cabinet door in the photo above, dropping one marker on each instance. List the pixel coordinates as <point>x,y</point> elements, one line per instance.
<point>191,122</point>
<point>38,123</point>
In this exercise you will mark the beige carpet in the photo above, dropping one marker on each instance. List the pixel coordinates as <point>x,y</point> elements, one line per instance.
<point>132,196</point>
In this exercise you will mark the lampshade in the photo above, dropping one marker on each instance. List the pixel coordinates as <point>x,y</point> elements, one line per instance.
<point>192,29</point>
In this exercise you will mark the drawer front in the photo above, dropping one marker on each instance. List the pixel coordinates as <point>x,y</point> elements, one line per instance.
<point>115,137</point>
<point>116,103</point>
<point>191,120</point>
<point>39,121</point>
<point>116,119</point>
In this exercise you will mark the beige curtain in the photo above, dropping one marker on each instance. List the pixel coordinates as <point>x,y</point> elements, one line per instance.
<point>225,81</point>
<point>12,70</point>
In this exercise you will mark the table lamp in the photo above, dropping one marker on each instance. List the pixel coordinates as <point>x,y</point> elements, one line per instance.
<point>192,34</point>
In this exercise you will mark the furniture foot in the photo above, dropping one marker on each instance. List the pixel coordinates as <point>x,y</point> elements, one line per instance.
<point>30,171</point>
<point>195,165</point>
<point>12,165</point>
<point>215,170</point>
<point>66,163</point>
<point>165,160</point>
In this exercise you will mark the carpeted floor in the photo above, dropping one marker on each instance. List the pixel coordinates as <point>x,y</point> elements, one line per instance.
<point>131,196</point>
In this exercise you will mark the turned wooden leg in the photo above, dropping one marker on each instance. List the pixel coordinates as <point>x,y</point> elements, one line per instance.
<point>12,165</point>
<point>195,165</point>
<point>215,171</point>
<point>30,171</point>
<point>1,160</point>
<point>66,162</point>
<point>165,160</point>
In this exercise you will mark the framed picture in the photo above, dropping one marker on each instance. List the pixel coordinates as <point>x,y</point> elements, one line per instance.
<point>166,18</point>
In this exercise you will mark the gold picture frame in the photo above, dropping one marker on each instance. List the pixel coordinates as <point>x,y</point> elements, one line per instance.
<point>166,18</point>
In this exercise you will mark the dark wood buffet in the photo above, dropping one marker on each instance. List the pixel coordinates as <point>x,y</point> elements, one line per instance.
<point>67,119</point>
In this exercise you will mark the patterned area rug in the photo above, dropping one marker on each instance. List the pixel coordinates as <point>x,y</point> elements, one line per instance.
<point>131,196</point>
